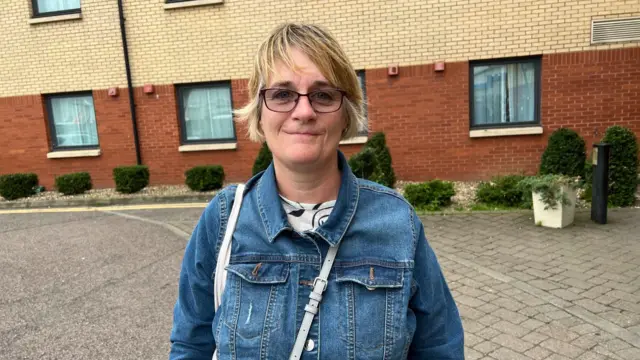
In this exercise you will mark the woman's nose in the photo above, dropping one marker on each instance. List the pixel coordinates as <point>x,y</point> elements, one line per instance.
<point>303,110</point>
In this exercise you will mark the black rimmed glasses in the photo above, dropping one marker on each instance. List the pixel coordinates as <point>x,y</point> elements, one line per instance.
<point>285,100</point>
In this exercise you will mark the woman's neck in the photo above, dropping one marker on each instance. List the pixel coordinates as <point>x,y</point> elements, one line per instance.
<point>312,185</point>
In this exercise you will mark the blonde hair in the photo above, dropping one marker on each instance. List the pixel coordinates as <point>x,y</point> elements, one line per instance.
<point>324,51</point>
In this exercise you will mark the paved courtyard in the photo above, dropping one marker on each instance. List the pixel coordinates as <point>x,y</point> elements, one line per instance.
<point>101,284</point>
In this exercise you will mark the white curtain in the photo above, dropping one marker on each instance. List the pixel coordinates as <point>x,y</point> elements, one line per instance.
<point>74,120</point>
<point>57,5</point>
<point>208,113</point>
<point>363,128</point>
<point>504,93</point>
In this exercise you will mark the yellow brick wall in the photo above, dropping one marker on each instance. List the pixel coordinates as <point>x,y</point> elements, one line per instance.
<point>216,42</point>
<point>62,56</point>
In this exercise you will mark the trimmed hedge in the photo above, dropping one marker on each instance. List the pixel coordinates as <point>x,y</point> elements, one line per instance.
<point>504,191</point>
<point>263,160</point>
<point>73,184</point>
<point>565,154</point>
<point>623,165</point>
<point>431,195</point>
<point>16,186</point>
<point>205,178</point>
<point>131,179</point>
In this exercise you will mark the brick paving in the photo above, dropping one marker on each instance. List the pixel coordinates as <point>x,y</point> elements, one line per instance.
<point>527,292</point>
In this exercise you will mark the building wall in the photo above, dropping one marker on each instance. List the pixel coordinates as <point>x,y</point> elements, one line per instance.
<point>64,56</point>
<point>425,115</point>
<point>217,42</point>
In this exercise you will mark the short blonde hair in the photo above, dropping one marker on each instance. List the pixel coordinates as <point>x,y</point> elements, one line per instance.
<point>324,51</point>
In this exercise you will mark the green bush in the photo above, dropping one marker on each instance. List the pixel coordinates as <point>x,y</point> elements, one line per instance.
<point>131,179</point>
<point>378,167</point>
<point>565,154</point>
<point>430,195</point>
<point>73,184</point>
<point>263,160</point>
<point>623,165</point>
<point>205,178</point>
<point>504,191</point>
<point>587,182</point>
<point>363,164</point>
<point>16,186</point>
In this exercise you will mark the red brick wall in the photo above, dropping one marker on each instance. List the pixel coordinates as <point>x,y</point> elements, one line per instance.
<point>158,126</point>
<point>25,144</point>
<point>424,114</point>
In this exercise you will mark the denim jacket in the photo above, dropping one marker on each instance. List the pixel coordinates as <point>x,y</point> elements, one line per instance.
<point>386,297</point>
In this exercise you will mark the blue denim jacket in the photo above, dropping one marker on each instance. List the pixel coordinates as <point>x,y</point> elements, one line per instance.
<point>386,297</point>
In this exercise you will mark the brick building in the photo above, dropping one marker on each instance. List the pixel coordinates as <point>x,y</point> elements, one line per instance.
<point>479,86</point>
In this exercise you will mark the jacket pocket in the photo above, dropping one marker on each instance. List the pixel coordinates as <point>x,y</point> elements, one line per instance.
<point>373,297</point>
<point>257,293</point>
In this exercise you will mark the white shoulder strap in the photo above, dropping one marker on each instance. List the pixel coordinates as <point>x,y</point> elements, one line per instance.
<point>315,297</point>
<point>224,254</point>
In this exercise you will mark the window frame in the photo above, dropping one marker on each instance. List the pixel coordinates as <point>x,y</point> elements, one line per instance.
<point>175,1</point>
<point>38,14</point>
<point>537,62</point>
<point>53,137</point>
<point>364,99</point>
<point>182,123</point>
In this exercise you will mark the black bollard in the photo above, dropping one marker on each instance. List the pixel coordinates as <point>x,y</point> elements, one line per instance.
<point>600,189</point>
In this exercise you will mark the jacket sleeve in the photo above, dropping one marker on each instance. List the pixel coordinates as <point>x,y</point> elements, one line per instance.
<point>191,335</point>
<point>439,334</point>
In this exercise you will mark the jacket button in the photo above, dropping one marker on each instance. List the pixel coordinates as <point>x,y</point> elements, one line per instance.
<point>310,345</point>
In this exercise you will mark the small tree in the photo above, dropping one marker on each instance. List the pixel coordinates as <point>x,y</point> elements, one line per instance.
<point>131,179</point>
<point>565,154</point>
<point>363,164</point>
<point>623,165</point>
<point>16,186</point>
<point>383,173</point>
<point>263,160</point>
<point>74,183</point>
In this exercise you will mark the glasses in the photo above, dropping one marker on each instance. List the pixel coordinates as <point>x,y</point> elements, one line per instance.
<point>284,100</point>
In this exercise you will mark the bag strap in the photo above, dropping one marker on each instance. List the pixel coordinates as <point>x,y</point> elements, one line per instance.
<point>315,297</point>
<point>224,254</point>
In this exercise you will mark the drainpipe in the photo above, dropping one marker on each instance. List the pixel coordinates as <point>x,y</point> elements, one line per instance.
<point>127,66</point>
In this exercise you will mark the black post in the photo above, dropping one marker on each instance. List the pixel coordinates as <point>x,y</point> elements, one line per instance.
<point>600,190</point>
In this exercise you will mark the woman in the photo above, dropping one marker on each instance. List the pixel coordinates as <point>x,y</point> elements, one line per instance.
<point>385,296</point>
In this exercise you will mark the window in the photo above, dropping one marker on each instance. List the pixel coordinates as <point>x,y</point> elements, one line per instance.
<point>205,113</point>
<point>363,131</point>
<point>55,7</point>
<point>504,93</point>
<point>72,120</point>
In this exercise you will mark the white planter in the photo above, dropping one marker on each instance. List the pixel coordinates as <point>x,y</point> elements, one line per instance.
<point>559,217</point>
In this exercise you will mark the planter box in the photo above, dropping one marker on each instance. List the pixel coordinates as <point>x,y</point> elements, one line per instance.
<point>559,217</point>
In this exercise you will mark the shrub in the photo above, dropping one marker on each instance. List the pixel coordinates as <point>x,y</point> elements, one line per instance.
<point>16,186</point>
<point>623,165</point>
<point>363,164</point>
<point>73,184</point>
<point>131,179</point>
<point>431,195</point>
<point>504,191</point>
<point>383,173</point>
<point>263,160</point>
<point>587,182</point>
<point>205,178</point>
<point>549,188</point>
<point>565,154</point>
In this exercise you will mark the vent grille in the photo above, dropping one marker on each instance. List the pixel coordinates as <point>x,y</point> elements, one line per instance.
<point>615,30</point>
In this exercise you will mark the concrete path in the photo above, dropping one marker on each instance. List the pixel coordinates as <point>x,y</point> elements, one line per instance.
<point>101,284</point>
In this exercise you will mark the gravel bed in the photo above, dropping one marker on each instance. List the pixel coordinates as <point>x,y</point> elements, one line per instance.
<point>111,193</point>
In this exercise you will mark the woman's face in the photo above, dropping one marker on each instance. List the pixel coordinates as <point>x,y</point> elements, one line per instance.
<point>301,137</point>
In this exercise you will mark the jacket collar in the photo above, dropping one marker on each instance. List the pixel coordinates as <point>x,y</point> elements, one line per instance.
<point>274,217</point>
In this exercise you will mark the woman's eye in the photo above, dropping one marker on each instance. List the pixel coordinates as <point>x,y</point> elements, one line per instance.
<point>323,95</point>
<point>282,95</point>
